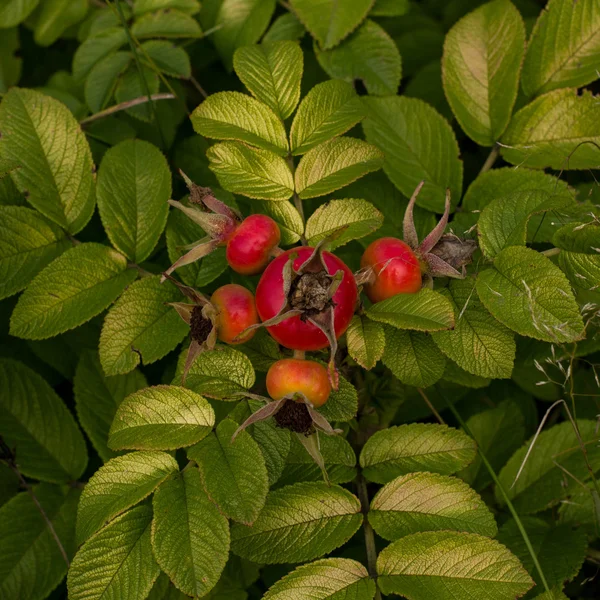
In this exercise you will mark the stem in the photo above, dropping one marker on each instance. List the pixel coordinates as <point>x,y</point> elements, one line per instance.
<point>490,160</point>
<point>197,85</point>
<point>492,473</point>
<point>297,199</point>
<point>11,463</point>
<point>125,106</point>
<point>363,495</point>
<point>301,354</point>
<point>551,252</point>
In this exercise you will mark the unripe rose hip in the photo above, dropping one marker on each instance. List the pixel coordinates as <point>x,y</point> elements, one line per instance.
<point>252,244</point>
<point>235,311</point>
<point>292,375</point>
<point>395,269</point>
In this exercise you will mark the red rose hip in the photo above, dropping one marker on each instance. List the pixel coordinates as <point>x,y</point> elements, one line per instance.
<point>308,294</point>
<point>236,311</point>
<point>252,243</point>
<point>292,375</point>
<point>395,269</point>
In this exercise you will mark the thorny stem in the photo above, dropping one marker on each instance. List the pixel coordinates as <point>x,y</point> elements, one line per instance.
<point>490,160</point>
<point>494,477</point>
<point>125,106</point>
<point>11,463</point>
<point>363,495</point>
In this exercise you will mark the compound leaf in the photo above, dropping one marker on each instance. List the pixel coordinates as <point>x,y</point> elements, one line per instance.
<point>118,485</point>
<point>530,295</point>
<point>163,417</point>
<point>272,72</point>
<point>134,184</point>
<point>298,523</point>
<point>233,473</point>
<point>56,169</point>
<point>190,537</point>
<point>140,326</point>
<point>36,423</point>
<point>72,289</point>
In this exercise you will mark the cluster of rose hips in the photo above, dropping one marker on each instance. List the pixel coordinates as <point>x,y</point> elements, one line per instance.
<point>306,298</point>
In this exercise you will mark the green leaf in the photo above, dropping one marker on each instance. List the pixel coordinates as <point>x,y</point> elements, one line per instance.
<point>503,222</point>
<point>328,110</point>
<point>134,184</point>
<point>141,327</point>
<point>425,310</point>
<point>55,17</point>
<point>564,47</point>
<point>390,8</point>
<point>190,537</point>
<point>56,163</point>
<point>117,560</point>
<point>429,502</point>
<point>272,72</point>
<point>285,27</point>
<point>233,473</point>
<point>28,242</point>
<point>369,55</point>
<point>326,22</point>
<point>287,217</point>
<point>162,417</point>
<point>13,12</point>
<point>95,48</point>
<point>97,398</point>
<point>530,295</point>
<point>299,523</point>
<point>412,357</point>
<point>223,373</point>
<point>359,217</point>
<point>130,86</point>
<point>416,447</point>
<point>482,60</point>
<point>36,423</point>
<point>252,172</point>
<point>11,62</point>
<point>328,578</point>
<point>366,341</point>
<point>560,549</point>
<point>339,457</point>
<point>274,442</point>
<point>557,130</point>
<point>478,343</point>
<point>446,565</point>
<point>582,507</point>
<point>240,23</point>
<point>552,595</point>
<point>100,84</point>
<point>172,60</point>
<point>166,23</point>
<point>579,237</point>
<point>582,270</point>
<point>118,485</point>
<point>498,432</point>
<point>236,116</point>
<point>191,7</point>
<point>342,404</point>
<point>72,289</point>
<point>31,564</point>
<point>334,164</point>
<point>542,482</point>
<point>419,144</point>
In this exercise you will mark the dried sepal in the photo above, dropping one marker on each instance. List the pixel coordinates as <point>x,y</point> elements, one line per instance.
<point>262,414</point>
<point>438,231</point>
<point>409,229</point>
<point>325,322</point>
<point>312,446</point>
<point>204,248</point>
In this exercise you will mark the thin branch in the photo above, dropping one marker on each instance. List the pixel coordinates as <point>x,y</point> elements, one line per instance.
<point>297,199</point>
<point>124,106</point>
<point>363,495</point>
<point>500,487</point>
<point>197,85</point>
<point>436,414</point>
<point>490,160</point>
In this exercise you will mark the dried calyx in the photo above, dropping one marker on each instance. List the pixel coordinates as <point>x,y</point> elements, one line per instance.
<point>441,255</point>
<point>309,292</point>
<point>218,220</point>
<point>294,416</point>
<point>201,316</point>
